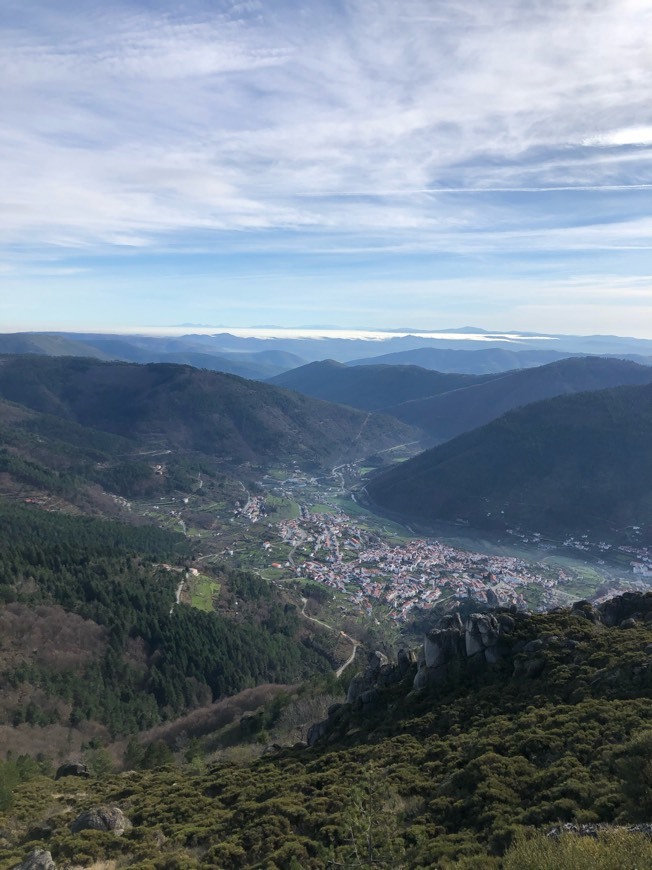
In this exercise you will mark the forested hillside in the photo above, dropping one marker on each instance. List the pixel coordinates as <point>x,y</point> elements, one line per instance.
<point>573,464</point>
<point>149,658</point>
<point>460,410</point>
<point>186,409</point>
<point>370,387</point>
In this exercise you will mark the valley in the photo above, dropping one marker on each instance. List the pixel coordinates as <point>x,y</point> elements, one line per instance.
<point>293,528</point>
<point>198,580</point>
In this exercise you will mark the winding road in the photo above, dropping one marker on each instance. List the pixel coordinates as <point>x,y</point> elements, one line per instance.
<point>355,643</point>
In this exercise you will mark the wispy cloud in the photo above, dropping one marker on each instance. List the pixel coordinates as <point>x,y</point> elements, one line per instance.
<point>344,128</point>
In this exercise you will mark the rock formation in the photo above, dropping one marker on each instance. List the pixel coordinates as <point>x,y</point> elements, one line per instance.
<point>39,859</point>
<point>475,640</point>
<point>365,687</point>
<point>481,640</point>
<point>72,768</point>
<point>101,819</point>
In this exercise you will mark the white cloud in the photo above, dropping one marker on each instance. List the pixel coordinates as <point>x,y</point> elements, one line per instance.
<point>641,135</point>
<point>128,127</point>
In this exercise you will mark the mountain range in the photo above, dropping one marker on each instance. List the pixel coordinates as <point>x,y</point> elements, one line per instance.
<point>445,404</point>
<point>174,407</point>
<point>141,349</point>
<point>460,410</point>
<point>503,726</point>
<point>465,350</point>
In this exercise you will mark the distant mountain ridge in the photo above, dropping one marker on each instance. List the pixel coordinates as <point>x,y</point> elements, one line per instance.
<point>493,360</point>
<point>369,387</point>
<point>187,350</point>
<point>182,408</point>
<point>51,345</point>
<point>351,346</point>
<point>572,464</point>
<point>460,410</point>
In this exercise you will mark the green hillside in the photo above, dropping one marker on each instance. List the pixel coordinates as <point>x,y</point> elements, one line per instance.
<point>371,387</point>
<point>463,409</point>
<point>573,464</point>
<point>117,649</point>
<point>185,409</point>
<point>468,772</point>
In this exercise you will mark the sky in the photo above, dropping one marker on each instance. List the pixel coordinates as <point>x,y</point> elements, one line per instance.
<point>360,163</point>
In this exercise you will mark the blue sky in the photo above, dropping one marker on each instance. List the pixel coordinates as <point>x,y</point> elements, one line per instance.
<point>366,163</point>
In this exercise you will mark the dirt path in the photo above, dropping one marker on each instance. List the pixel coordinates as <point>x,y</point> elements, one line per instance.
<point>355,644</point>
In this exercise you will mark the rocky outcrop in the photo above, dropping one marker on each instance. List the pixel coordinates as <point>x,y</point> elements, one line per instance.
<point>72,768</point>
<point>406,660</point>
<point>377,667</point>
<point>364,688</point>
<point>317,731</point>
<point>626,611</point>
<point>481,634</point>
<point>484,639</point>
<point>379,674</point>
<point>474,640</point>
<point>631,605</point>
<point>444,643</point>
<point>39,859</point>
<point>101,819</point>
<point>585,610</point>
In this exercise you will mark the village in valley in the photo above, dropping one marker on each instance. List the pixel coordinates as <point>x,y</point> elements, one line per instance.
<point>292,527</point>
<point>334,541</point>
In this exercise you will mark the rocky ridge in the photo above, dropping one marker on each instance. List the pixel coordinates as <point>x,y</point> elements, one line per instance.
<point>481,640</point>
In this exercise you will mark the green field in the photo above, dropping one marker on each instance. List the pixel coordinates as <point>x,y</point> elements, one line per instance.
<point>279,473</point>
<point>202,591</point>
<point>274,573</point>
<point>321,508</point>
<point>282,508</point>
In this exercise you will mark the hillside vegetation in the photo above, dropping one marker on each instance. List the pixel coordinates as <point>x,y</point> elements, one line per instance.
<point>114,647</point>
<point>468,772</point>
<point>463,409</point>
<point>371,387</point>
<point>185,409</point>
<point>573,464</point>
